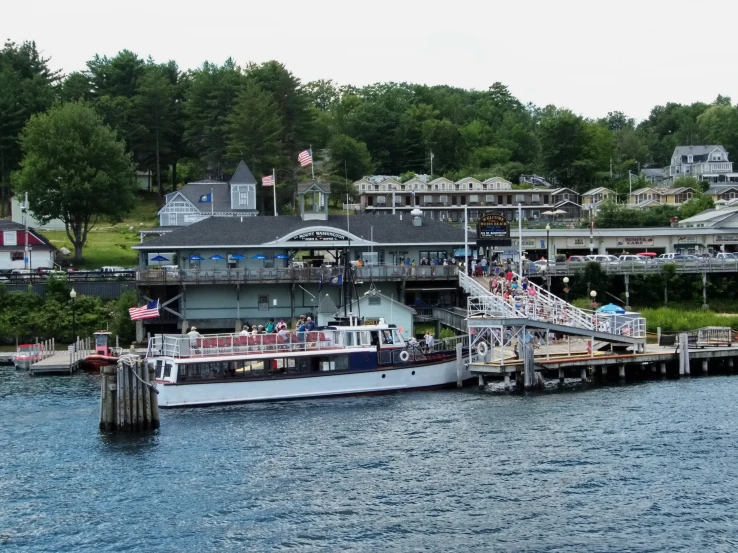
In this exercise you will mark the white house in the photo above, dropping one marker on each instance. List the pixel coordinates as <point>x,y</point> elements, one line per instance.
<point>41,253</point>
<point>209,198</point>
<point>706,162</point>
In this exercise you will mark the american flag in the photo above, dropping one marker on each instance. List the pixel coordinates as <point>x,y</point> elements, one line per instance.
<point>305,158</point>
<point>267,181</point>
<point>148,311</point>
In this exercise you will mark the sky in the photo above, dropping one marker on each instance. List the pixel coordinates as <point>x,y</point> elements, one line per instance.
<point>592,56</point>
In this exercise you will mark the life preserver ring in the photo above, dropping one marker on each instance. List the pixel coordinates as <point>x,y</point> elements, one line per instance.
<point>482,348</point>
<point>404,356</point>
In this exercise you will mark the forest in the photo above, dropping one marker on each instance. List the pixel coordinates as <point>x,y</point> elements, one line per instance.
<point>186,124</point>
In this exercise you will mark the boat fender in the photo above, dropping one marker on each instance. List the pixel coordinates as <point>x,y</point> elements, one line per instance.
<point>404,356</point>
<point>482,349</point>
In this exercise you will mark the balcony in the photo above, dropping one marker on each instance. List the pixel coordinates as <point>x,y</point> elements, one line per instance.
<point>290,275</point>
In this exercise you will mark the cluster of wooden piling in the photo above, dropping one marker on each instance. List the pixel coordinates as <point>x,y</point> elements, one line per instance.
<point>128,397</point>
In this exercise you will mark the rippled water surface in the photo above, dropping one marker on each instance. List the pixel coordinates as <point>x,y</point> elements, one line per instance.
<point>649,467</point>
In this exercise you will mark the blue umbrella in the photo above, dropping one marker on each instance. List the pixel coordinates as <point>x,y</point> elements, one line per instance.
<point>196,258</point>
<point>281,256</point>
<point>238,256</point>
<point>259,256</point>
<point>159,258</point>
<point>217,257</point>
<point>611,308</point>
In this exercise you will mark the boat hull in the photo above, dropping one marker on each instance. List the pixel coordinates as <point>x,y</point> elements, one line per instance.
<point>93,363</point>
<point>394,379</point>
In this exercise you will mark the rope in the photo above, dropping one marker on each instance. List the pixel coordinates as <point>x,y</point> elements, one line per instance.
<point>131,361</point>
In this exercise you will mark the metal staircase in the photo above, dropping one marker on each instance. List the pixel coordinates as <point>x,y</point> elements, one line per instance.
<point>545,310</point>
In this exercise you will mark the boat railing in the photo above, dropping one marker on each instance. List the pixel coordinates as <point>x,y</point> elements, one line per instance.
<point>208,345</point>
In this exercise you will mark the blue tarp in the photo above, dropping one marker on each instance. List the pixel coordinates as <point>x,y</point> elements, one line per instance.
<point>611,308</point>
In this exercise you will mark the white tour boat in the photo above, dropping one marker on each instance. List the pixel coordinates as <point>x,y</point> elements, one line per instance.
<point>329,361</point>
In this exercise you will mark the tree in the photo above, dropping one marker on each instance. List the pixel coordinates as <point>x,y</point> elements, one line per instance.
<point>74,168</point>
<point>349,158</point>
<point>698,203</point>
<point>154,105</point>
<point>26,87</point>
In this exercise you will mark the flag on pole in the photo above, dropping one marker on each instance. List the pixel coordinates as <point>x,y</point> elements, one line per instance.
<point>206,198</point>
<point>336,280</point>
<point>305,158</point>
<point>267,181</point>
<point>148,311</point>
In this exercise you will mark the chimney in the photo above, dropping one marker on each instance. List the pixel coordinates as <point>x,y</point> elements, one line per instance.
<point>417,216</point>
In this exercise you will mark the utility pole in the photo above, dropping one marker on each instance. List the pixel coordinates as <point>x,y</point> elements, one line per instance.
<point>26,256</point>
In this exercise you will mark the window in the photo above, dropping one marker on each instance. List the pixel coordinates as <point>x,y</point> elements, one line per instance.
<point>535,198</point>
<point>427,199</point>
<point>10,238</point>
<point>16,256</point>
<point>453,200</point>
<point>471,186</point>
<point>243,196</point>
<point>689,159</point>
<point>363,187</point>
<point>443,186</point>
<point>263,303</point>
<point>489,198</point>
<point>473,198</point>
<point>443,199</point>
<point>519,198</point>
<point>375,300</point>
<point>509,199</point>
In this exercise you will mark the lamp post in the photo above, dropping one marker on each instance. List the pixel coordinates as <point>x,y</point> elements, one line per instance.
<point>593,295</point>
<point>566,288</point>
<point>73,294</point>
<point>548,247</point>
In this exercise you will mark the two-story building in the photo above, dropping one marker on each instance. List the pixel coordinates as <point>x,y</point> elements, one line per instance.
<point>446,200</point>
<point>592,199</point>
<point>705,162</point>
<point>226,271</point>
<point>653,197</point>
<point>13,251</point>
<point>199,200</point>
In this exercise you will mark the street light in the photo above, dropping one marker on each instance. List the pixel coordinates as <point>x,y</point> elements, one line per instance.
<point>73,294</point>
<point>566,288</point>
<point>548,247</point>
<point>593,295</point>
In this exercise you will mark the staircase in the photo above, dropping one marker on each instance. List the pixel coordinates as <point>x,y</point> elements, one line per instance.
<point>546,310</point>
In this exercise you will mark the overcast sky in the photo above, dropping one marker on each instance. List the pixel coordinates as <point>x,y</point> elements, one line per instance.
<point>591,56</point>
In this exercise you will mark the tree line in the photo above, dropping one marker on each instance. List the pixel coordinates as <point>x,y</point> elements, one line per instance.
<point>185,124</point>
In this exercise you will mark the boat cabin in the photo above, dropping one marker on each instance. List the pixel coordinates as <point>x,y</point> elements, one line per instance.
<point>102,342</point>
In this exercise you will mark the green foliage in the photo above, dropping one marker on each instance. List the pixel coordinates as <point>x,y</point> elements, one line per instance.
<point>57,288</point>
<point>678,320</point>
<point>612,215</point>
<point>349,158</point>
<point>121,323</point>
<point>447,333</point>
<point>698,203</point>
<point>75,169</point>
<point>591,277</point>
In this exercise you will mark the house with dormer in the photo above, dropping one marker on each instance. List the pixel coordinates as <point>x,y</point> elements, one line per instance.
<point>198,200</point>
<point>592,199</point>
<point>708,163</point>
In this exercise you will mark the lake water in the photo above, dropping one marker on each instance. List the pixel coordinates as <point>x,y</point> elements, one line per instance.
<point>647,467</point>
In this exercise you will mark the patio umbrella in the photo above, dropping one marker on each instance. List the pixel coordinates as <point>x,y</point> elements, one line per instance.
<point>238,256</point>
<point>559,212</point>
<point>259,256</point>
<point>196,258</point>
<point>217,258</point>
<point>611,308</point>
<point>281,256</point>
<point>547,212</point>
<point>160,259</point>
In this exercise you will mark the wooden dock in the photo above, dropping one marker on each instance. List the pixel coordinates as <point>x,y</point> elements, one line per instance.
<point>562,360</point>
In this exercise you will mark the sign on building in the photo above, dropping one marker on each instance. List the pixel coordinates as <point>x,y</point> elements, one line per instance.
<point>493,230</point>
<point>635,241</point>
<point>726,238</point>
<point>318,235</point>
<point>577,242</point>
<point>686,239</point>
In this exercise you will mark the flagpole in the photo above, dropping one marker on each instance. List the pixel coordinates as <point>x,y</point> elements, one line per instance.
<point>274,189</point>
<point>161,327</point>
<point>312,162</point>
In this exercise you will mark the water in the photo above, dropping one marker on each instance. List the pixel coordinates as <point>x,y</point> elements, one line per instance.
<point>649,467</point>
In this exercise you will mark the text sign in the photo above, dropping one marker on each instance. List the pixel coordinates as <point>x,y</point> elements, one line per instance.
<point>318,236</point>
<point>493,230</point>
<point>636,241</point>
<point>726,238</point>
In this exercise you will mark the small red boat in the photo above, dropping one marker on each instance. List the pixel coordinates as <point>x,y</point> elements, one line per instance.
<point>104,355</point>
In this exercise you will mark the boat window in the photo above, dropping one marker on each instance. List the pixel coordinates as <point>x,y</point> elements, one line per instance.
<point>387,337</point>
<point>396,338</point>
<point>167,370</point>
<point>101,339</point>
<point>349,338</point>
<point>159,365</point>
<point>366,338</point>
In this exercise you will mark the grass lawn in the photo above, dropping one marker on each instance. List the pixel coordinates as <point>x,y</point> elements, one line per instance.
<point>111,244</point>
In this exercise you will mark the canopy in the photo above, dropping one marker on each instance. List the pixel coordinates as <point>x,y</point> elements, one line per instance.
<point>196,258</point>
<point>238,256</point>
<point>648,254</point>
<point>259,256</point>
<point>547,212</point>
<point>281,256</point>
<point>559,212</point>
<point>611,308</point>
<point>159,258</point>
<point>217,257</point>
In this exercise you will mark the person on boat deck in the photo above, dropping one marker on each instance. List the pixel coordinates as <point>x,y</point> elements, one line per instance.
<point>301,327</point>
<point>270,326</point>
<point>260,329</point>
<point>193,333</point>
<point>429,342</point>
<point>244,331</point>
<point>309,325</point>
<point>281,325</point>
<point>412,342</point>
<point>254,330</point>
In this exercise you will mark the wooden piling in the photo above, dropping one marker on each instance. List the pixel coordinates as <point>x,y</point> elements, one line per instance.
<point>561,376</point>
<point>127,402</point>
<point>459,366</point>
<point>154,401</point>
<point>663,369</point>
<point>621,372</point>
<point>529,368</point>
<point>704,366</point>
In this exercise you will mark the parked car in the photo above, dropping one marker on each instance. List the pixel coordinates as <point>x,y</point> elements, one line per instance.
<point>603,259</point>
<point>577,259</point>
<point>726,256</point>
<point>633,259</point>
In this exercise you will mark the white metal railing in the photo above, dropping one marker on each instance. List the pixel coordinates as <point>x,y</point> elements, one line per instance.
<point>235,344</point>
<point>547,307</point>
